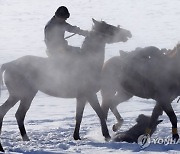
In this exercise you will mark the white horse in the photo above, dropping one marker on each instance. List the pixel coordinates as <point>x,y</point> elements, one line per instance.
<point>73,75</point>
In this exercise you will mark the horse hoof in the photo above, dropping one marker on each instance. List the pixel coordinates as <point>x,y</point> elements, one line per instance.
<point>108,138</point>
<point>77,137</point>
<point>26,138</point>
<point>114,128</point>
<point>1,148</point>
<point>117,126</point>
<point>175,137</point>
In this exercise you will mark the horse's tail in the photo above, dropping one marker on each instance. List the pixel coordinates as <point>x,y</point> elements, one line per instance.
<point>2,69</point>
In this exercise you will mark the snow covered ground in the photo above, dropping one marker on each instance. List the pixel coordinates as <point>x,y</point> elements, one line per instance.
<point>50,121</point>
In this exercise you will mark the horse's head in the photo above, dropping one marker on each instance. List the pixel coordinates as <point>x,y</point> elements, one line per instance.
<point>110,33</point>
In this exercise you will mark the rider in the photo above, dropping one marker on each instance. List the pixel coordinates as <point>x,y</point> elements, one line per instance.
<point>54,33</point>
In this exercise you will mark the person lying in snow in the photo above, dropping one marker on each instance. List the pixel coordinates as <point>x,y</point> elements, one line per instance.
<point>138,129</point>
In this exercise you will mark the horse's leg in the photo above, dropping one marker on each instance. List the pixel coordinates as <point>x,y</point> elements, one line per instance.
<point>120,97</point>
<point>93,100</point>
<point>105,109</point>
<point>158,109</point>
<point>4,108</point>
<point>20,115</point>
<point>108,89</point>
<point>81,101</point>
<point>1,148</point>
<point>118,117</point>
<point>172,117</point>
<point>11,101</point>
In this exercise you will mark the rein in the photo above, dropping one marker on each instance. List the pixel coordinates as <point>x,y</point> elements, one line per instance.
<point>70,36</point>
<point>178,100</point>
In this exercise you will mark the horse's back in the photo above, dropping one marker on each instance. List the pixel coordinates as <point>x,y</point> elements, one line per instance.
<point>57,76</point>
<point>134,72</point>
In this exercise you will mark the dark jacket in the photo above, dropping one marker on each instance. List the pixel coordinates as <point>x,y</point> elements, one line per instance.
<point>54,33</point>
<point>138,129</point>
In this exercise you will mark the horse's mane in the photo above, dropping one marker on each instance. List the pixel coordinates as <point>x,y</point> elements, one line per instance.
<point>177,47</point>
<point>176,50</point>
<point>96,28</point>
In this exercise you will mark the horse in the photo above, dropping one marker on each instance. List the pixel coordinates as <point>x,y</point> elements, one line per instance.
<point>137,130</point>
<point>69,75</point>
<point>147,73</point>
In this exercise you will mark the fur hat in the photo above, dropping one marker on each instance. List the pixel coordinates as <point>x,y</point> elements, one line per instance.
<point>62,12</point>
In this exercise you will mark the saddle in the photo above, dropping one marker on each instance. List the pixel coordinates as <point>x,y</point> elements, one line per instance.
<point>144,60</point>
<point>144,67</point>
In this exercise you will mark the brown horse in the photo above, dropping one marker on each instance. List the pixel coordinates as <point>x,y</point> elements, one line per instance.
<point>70,75</point>
<point>146,73</point>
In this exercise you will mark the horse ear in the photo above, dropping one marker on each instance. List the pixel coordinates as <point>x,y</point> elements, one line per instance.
<point>94,21</point>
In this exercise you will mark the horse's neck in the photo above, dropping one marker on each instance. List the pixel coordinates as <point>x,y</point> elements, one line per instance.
<point>93,44</point>
<point>94,47</point>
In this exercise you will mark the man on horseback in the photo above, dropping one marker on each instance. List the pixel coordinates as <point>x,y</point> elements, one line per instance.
<point>54,33</point>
